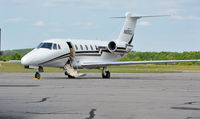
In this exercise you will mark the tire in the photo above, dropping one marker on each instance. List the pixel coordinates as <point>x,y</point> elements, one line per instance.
<point>103,76</point>
<point>37,75</point>
<point>107,76</point>
<point>66,73</point>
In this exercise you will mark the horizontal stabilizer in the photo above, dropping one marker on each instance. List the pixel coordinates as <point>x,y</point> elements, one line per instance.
<point>129,15</point>
<point>138,17</point>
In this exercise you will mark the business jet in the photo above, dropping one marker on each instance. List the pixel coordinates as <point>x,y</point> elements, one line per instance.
<point>74,54</point>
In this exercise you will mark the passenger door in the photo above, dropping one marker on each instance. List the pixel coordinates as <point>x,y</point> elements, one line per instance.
<point>71,48</point>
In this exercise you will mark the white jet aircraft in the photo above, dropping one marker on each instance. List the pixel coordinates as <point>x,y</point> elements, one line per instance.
<point>87,54</point>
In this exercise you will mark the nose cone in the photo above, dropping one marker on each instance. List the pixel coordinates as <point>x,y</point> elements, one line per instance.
<point>29,59</point>
<point>36,57</point>
<point>25,60</point>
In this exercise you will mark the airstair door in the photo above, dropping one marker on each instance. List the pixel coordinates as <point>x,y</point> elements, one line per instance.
<point>70,71</point>
<point>71,48</point>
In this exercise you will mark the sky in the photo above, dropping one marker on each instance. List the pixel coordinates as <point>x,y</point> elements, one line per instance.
<point>25,23</point>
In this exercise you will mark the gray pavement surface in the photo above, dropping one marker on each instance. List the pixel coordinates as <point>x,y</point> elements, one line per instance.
<point>124,96</point>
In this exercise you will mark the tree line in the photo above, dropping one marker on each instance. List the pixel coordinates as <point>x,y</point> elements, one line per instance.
<point>146,56</point>
<point>132,56</point>
<point>13,54</point>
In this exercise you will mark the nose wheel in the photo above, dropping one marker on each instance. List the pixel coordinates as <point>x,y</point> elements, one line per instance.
<point>105,74</point>
<point>37,75</point>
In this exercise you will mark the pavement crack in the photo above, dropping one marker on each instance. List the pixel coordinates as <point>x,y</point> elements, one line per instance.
<point>190,103</point>
<point>50,113</point>
<point>91,114</point>
<point>12,117</point>
<point>18,86</point>
<point>42,100</point>
<point>185,108</point>
<point>193,118</point>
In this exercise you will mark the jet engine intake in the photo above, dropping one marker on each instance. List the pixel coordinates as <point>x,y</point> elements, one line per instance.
<point>112,46</point>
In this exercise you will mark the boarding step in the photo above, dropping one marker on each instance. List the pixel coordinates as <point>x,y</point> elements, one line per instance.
<point>73,72</point>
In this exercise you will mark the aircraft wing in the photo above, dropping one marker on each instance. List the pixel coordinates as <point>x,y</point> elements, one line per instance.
<point>103,64</point>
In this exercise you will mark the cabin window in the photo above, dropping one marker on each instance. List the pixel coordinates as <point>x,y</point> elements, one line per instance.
<point>86,47</point>
<point>96,47</point>
<point>76,47</point>
<point>59,46</point>
<point>45,45</point>
<point>81,47</point>
<point>91,47</point>
<point>55,46</point>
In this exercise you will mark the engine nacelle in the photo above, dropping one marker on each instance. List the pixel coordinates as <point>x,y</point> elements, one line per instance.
<point>112,46</point>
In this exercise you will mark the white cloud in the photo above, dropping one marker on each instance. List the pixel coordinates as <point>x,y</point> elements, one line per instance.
<point>144,23</point>
<point>48,4</point>
<point>77,23</point>
<point>172,11</point>
<point>39,23</point>
<point>16,20</point>
<point>89,24</point>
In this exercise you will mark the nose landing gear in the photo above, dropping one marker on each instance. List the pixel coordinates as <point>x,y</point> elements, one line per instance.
<point>37,74</point>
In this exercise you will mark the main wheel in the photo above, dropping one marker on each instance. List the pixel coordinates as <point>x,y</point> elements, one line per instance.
<point>107,75</point>
<point>37,75</point>
<point>66,73</point>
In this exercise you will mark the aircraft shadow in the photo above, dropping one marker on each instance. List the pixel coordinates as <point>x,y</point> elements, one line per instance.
<point>86,78</point>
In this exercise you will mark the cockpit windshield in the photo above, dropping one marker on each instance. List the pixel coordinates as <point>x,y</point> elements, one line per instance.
<point>45,45</point>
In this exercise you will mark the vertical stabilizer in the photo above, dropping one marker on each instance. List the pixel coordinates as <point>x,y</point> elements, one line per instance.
<point>127,32</point>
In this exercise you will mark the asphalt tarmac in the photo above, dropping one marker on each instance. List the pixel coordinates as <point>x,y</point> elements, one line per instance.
<point>124,96</point>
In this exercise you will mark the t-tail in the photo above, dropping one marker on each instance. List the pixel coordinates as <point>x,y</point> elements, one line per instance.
<point>127,33</point>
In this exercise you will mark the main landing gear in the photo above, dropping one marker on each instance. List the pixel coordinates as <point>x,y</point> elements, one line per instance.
<point>37,75</point>
<point>105,74</point>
